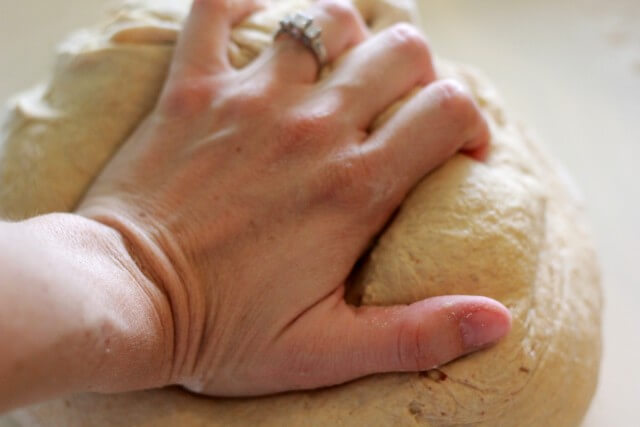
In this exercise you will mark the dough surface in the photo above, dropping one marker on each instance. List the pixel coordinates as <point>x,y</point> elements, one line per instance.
<point>511,228</point>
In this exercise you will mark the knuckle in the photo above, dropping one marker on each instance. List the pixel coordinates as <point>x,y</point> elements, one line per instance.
<point>342,11</point>
<point>412,351</point>
<point>250,100</point>
<point>411,42</point>
<point>185,99</point>
<point>456,102</point>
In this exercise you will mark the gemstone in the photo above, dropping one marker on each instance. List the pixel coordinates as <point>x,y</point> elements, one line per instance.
<point>312,31</point>
<point>285,23</point>
<point>301,21</point>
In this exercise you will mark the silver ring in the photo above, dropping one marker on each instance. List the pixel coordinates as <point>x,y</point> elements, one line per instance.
<point>301,27</point>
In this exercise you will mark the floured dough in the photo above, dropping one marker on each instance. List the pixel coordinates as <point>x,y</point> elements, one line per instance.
<point>511,228</point>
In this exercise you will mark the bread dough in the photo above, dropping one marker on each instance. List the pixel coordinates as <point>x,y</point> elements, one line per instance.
<point>511,228</point>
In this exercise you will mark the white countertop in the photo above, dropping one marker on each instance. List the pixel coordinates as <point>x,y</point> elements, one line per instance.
<point>569,68</point>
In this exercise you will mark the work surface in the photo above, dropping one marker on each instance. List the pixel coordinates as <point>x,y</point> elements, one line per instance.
<point>570,69</point>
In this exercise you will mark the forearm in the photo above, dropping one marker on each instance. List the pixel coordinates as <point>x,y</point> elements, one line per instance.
<point>75,314</point>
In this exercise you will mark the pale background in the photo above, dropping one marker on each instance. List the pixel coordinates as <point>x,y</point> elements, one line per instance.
<point>568,68</point>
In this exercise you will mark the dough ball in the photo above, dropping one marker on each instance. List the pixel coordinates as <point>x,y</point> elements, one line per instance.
<point>511,228</point>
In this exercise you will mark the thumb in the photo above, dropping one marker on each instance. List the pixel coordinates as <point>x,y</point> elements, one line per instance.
<point>352,342</point>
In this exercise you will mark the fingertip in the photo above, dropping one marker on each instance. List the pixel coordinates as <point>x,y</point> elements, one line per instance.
<point>437,330</point>
<point>482,322</point>
<point>479,146</point>
<point>479,153</point>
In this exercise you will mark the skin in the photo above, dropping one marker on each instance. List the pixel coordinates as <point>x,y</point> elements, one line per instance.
<point>212,251</point>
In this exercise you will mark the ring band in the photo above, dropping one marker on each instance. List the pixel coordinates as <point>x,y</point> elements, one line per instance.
<point>301,27</point>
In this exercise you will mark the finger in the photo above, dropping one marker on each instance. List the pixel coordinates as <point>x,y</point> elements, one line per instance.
<point>342,27</point>
<point>202,47</point>
<point>348,342</point>
<point>389,65</point>
<point>438,121</point>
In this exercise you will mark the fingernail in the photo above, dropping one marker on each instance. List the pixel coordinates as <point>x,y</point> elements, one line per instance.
<point>481,328</point>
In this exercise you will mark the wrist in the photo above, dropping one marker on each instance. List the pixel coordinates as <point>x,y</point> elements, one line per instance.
<point>135,342</point>
<point>110,317</point>
<point>167,269</point>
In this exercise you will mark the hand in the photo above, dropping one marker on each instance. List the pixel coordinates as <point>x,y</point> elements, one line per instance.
<point>247,196</point>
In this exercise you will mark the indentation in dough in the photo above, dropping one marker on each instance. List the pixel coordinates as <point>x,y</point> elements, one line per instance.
<point>467,229</point>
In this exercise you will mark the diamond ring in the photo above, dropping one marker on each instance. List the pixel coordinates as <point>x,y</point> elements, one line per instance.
<point>301,27</point>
